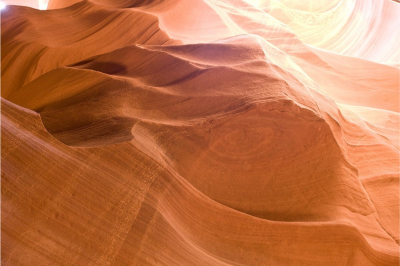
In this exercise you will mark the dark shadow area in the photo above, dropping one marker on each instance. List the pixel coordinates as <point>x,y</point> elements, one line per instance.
<point>84,62</point>
<point>110,68</point>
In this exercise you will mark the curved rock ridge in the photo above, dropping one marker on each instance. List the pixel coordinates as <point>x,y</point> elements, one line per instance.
<point>200,132</point>
<point>345,27</point>
<point>122,206</point>
<point>35,42</point>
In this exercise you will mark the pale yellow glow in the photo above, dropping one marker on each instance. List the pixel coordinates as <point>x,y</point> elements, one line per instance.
<point>256,3</point>
<point>43,4</point>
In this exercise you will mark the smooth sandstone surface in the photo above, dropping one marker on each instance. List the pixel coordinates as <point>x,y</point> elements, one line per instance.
<point>200,132</point>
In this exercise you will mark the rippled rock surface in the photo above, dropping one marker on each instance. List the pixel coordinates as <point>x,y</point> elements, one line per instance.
<point>200,132</point>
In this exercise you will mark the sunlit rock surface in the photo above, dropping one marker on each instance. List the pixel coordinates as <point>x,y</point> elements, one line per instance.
<point>200,132</point>
<point>38,4</point>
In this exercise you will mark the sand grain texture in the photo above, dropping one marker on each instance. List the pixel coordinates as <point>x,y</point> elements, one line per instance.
<point>200,132</point>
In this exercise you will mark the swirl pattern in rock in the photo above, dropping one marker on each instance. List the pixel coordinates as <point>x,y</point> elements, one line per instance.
<point>200,132</point>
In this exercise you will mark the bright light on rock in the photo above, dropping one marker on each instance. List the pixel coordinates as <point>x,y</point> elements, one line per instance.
<point>43,4</point>
<point>2,5</point>
<point>256,3</point>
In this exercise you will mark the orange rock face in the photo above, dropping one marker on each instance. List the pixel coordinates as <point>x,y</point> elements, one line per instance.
<point>200,132</point>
